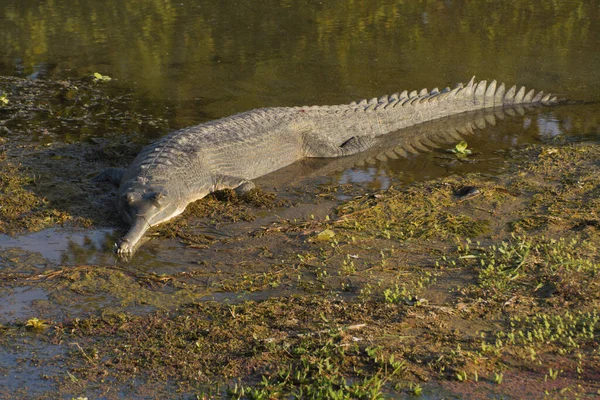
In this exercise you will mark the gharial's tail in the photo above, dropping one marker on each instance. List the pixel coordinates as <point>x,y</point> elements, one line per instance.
<point>480,94</point>
<point>385,114</point>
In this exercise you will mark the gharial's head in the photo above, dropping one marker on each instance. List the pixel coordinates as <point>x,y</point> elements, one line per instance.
<point>153,203</point>
<point>143,206</point>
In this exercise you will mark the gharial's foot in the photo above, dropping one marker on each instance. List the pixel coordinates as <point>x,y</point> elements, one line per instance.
<point>123,248</point>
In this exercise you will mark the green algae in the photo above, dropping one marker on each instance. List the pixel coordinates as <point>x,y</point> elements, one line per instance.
<point>373,311</point>
<point>127,288</point>
<point>22,210</point>
<point>423,211</point>
<point>536,270</point>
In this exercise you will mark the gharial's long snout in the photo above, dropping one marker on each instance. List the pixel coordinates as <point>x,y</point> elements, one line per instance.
<point>129,242</point>
<point>143,207</point>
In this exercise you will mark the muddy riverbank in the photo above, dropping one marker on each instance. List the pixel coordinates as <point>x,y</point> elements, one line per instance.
<point>469,285</point>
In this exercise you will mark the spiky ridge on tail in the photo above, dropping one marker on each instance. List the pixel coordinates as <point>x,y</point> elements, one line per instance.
<point>481,94</point>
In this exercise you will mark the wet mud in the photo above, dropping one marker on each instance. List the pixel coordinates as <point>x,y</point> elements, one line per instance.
<point>480,281</point>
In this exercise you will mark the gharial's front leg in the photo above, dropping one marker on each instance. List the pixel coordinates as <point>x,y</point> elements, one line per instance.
<point>319,147</point>
<point>239,185</point>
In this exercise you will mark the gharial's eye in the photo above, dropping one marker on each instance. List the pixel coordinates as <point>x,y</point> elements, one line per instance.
<point>130,197</point>
<point>158,197</point>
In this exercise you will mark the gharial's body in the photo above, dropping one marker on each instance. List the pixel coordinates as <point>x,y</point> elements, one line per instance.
<point>188,164</point>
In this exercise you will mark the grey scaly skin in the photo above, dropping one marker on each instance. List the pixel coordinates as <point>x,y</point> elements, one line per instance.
<point>188,164</point>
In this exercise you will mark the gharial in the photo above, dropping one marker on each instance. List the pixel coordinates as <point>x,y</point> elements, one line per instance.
<point>190,163</point>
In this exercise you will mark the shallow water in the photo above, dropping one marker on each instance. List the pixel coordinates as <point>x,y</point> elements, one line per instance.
<point>60,246</point>
<point>190,62</point>
<point>368,170</point>
<point>195,61</point>
<point>204,60</point>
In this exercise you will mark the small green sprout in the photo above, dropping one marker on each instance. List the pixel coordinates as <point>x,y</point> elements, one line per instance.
<point>498,378</point>
<point>36,324</point>
<point>101,78</point>
<point>325,235</point>
<point>3,99</point>
<point>461,149</point>
<point>553,374</point>
<point>416,389</point>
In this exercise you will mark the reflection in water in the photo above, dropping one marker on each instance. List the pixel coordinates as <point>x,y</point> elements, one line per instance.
<point>549,127</point>
<point>370,175</point>
<point>214,58</point>
<point>420,152</point>
<point>488,133</point>
<point>15,303</point>
<point>65,246</point>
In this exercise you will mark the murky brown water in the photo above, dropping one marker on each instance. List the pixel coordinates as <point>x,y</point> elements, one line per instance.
<point>196,61</point>
<point>191,61</point>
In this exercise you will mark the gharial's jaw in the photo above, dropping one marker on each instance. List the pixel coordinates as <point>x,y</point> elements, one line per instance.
<point>141,221</point>
<point>127,244</point>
